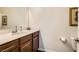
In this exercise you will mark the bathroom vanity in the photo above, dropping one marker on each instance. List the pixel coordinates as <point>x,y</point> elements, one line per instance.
<point>22,42</point>
<point>18,39</point>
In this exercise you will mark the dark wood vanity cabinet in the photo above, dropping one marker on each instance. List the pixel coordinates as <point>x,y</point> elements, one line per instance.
<point>30,42</point>
<point>35,41</point>
<point>11,46</point>
<point>26,43</point>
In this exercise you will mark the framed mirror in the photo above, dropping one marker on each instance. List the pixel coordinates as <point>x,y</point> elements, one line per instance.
<point>73,16</point>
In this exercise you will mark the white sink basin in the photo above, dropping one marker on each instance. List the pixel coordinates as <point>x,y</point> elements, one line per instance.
<point>5,35</point>
<point>4,31</point>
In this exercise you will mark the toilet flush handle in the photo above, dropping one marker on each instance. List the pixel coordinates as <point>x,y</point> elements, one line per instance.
<point>77,39</point>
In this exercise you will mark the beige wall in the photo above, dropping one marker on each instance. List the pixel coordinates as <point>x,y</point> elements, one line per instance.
<point>78,32</point>
<point>17,16</point>
<point>78,22</point>
<point>0,17</point>
<point>54,23</point>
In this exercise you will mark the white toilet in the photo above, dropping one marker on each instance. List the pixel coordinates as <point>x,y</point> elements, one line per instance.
<point>74,44</point>
<point>77,45</point>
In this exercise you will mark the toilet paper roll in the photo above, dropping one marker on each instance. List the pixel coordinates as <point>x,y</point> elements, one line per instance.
<point>63,39</point>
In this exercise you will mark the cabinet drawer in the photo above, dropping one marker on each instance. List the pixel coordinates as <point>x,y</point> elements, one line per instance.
<point>25,39</point>
<point>8,47</point>
<point>36,34</point>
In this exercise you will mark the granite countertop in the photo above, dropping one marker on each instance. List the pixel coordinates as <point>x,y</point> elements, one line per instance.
<point>8,36</point>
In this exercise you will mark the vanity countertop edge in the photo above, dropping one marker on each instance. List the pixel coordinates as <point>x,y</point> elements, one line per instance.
<point>10,37</point>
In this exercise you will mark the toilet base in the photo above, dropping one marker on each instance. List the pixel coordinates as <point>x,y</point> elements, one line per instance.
<point>75,51</point>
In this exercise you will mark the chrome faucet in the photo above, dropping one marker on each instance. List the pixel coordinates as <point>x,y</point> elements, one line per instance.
<point>14,30</point>
<point>21,28</point>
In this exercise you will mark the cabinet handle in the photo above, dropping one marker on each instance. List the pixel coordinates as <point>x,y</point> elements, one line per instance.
<point>6,50</point>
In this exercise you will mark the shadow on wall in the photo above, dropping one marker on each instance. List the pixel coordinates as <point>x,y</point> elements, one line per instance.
<point>41,43</point>
<point>42,46</point>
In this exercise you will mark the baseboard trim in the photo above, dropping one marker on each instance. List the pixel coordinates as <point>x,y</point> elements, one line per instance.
<point>45,50</point>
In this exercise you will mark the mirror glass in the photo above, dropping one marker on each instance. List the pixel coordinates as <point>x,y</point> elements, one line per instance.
<point>13,16</point>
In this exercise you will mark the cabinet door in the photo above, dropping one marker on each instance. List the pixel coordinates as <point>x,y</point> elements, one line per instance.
<point>27,47</point>
<point>35,44</point>
<point>10,46</point>
<point>10,49</point>
<point>24,39</point>
<point>35,41</point>
<point>16,50</point>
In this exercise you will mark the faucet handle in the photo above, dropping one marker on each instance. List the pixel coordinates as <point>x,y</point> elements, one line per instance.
<point>20,28</point>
